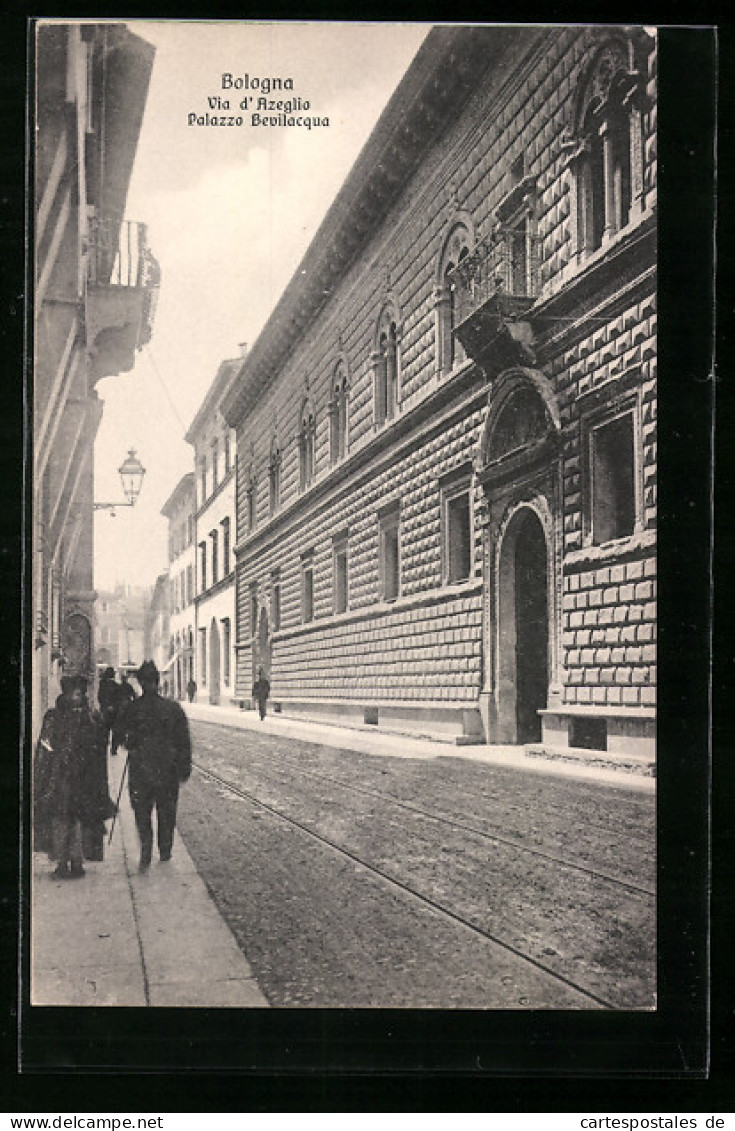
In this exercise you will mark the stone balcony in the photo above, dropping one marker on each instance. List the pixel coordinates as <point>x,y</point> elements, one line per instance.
<point>495,287</point>
<point>123,279</point>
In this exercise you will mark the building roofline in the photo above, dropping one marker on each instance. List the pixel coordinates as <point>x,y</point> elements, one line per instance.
<point>442,76</point>
<point>226,374</point>
<point>184,486</point>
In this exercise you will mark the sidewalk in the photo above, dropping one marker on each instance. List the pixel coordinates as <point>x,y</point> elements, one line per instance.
<point>117,937</point>
<point>370,741</point>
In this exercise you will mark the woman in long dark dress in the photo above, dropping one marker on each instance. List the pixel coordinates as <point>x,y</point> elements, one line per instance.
<point>71,801</point>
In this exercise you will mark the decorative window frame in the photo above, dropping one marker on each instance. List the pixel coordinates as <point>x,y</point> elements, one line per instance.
<point>389,522</point>
<point>307,444</point>
<point>307,568</point>
<point>226,526</point>
<point>595,415</point>
<point>251,499</point>
<point>518,207</point>
<point>340,547</point>
<point>203,566</point>
<point>457,241</point>
<point>274,476</point>
<point>214,539</point>
<point>339,411</point>
<point>253,608</point>
<point>275,599</point>
<point>452,486</point>
<point>611,92</point>
<point>215,464</point>
<point>386,377</point>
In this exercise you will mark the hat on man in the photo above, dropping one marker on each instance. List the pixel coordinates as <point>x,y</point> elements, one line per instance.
<point>108,673</point>
<point>147,672</point>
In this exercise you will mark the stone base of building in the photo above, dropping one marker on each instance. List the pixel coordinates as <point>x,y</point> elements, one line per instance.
<point>616,734</point>
<point>460,725</point>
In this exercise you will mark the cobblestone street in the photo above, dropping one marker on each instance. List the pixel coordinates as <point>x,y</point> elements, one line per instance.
<point>365,880</point>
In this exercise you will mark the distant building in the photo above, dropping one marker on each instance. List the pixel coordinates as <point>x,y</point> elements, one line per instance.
<point>157,635</point>
<point>215,461</point>
<point>446,502</point>
<point>179,510</point>
<point>121,616</point>
<point>95,290</point>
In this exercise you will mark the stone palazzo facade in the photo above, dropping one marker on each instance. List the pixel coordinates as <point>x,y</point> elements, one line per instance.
<point>446,431</point>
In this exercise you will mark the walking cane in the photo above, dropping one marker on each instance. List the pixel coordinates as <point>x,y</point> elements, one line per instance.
<point>119,795</point>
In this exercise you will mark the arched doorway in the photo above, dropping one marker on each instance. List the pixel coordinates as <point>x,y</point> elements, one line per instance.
<point>523,628</point>
<point>518,467</point>
<point>214,663</point>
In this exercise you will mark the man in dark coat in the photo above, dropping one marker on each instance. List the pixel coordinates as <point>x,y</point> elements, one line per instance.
<point>261,691</point>
<point>156,733</point>
<point>125,696</point>
<point>108,697</point>
<point>71,797</point>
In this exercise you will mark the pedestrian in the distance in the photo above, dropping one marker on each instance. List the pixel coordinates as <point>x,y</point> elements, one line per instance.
<point>261,691</point>
<point>70,781</point>
<point>191,690</point>
<point>108,697</point>
<point>156,733</point>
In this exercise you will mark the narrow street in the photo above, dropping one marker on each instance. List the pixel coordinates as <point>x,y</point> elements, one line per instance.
<point>365,880</point>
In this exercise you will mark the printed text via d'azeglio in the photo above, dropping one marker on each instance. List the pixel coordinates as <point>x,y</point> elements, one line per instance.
<point>249,100</point>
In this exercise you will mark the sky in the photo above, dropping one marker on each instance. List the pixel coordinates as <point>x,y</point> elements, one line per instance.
<point>230,212</point>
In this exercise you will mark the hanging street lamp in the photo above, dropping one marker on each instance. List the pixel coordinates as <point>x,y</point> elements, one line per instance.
<point>131,473</point>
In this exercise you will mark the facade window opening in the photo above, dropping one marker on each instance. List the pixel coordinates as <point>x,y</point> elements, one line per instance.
<point>225,524</point>
<point>202,566</point>
<point>518,253</point>
<point>203,479</point>
<point>251,507</point>
<point>226,649</point>
<point>203,655</point>
<point>276,600</point>
<point>592,183</point>
<point>228,451</point>
<point>189,584</point>
<point>215,465</point>
<point>390,555</point>
<point>457,535</point>
<point>605,153</point>
<point>338,416</point>
<point>215,556</point>
<point>307,588</point>
<point>307,434</point>
<point>386,371</point>
<point>450,298</point>
<point>340,576</point>
<point>253,609</point>
<point>613,479</point>
<point>274,478</point>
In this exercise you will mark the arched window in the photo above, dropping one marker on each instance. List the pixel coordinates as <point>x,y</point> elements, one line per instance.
<point>338,413</point>
<point>251,497</point>
<point>386,366</point>
<point>449,297</point>
<point>604,153</point>
<point>274,476</point>
<point>307,434</point>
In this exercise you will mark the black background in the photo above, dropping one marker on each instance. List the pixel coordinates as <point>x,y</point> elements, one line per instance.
<point>108,1060</point>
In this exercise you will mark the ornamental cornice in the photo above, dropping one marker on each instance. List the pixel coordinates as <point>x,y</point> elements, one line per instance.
<point>446,70</point>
